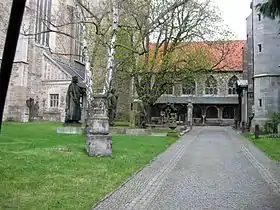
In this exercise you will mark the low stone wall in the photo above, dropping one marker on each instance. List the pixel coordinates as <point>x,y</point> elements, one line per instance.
<point>131,131</point>
<point>70,130</point>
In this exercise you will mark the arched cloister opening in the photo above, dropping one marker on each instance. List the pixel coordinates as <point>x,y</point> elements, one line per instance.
<point>212,112</point>
<point>197,112</point>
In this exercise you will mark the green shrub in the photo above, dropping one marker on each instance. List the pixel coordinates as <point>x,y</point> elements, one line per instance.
<point>271,125</point>
<point>11,119</point>
<point>173,133</point>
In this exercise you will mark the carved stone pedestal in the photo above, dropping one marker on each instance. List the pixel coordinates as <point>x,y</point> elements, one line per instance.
<point>99,145</point>
<point>98,140</point>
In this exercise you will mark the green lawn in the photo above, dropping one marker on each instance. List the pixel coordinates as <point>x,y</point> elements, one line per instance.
<point>35,175</point>
<point>270,146</point>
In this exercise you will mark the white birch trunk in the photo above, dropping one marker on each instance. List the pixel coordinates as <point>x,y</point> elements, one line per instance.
<point>88,70</point>
<point>112,48</point>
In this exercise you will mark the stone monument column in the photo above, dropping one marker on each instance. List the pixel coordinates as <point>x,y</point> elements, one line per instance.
<point>190,112</point>
<point>98,140</point>
<point>244,106</point>
<point>134,113</point>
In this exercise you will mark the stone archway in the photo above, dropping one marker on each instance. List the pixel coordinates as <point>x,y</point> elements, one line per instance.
<point>212,112</point>
<point>228,113</point>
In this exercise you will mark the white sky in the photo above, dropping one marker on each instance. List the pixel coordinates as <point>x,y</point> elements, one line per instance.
<point>234,14</point>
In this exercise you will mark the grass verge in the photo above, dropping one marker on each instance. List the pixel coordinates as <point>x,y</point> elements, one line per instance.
<point>270,146</point>
<point>40,169</point>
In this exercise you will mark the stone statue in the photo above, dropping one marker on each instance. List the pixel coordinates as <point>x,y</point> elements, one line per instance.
<point>36,109</point>
<point>112,106</point>
<point>73,107</point>
<point>30,104</point>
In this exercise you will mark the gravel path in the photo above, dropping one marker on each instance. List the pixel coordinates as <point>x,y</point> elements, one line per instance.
<point>209,168</point>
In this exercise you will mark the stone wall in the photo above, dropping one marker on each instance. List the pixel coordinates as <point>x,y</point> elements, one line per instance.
<point>222,79</point>
<point>53,113</point>
<point>32,74</point>
<point>248,65</point>
<point>266,45</point>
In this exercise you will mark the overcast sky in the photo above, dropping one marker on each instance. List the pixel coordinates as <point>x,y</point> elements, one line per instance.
<point>234,14</point>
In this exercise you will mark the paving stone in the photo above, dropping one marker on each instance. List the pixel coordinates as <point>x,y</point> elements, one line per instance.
<point>209,168</point>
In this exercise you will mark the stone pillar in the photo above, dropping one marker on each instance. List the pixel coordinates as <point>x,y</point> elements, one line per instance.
<point>220,113</point>
<point>203,119</point>
<point>83,110</point>
<point>203,115</point>
<point>134,114</point>
<point>190,112</point>
<point>239,110</point>
<point>98,140</point>
<point>244,112</point>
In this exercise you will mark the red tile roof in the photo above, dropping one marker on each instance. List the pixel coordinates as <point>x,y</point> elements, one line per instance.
<point>223,55</point>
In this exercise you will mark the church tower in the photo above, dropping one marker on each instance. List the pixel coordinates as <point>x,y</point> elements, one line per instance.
<point>266,70</point>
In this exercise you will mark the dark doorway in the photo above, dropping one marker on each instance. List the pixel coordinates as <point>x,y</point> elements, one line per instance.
<point>228,113</point>
<point>212,112</point>
<point>197,112</point>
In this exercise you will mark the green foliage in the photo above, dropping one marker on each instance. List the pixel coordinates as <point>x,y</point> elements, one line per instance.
<point>271,126</point>
<point>270,146</point>
<point>11,119</point>
<point>40,169</point>
<point>173,133</point>
<point>270,9</point>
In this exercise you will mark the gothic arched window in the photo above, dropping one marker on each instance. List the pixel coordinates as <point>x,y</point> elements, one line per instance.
<point>211,86</point>
<point>189,88</point>
<point>232,85</point>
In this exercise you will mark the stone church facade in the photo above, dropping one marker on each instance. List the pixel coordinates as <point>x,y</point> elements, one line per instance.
<point>213,96</point>
<point>45,61</point>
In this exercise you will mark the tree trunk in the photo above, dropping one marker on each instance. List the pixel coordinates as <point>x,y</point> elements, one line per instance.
<point>88,70</point>
<point>112,48</point>
<point>148,109</point>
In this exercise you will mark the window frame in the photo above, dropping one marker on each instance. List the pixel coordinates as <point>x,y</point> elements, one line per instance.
<point>231,90</point>
<point>43,13</point>
<point>211,89</point>
<point>54,101</point>
<point>259,48</point>
<point>79,48</point>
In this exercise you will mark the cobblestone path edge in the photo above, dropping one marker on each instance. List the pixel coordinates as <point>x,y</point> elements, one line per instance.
<point>134,175</point>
